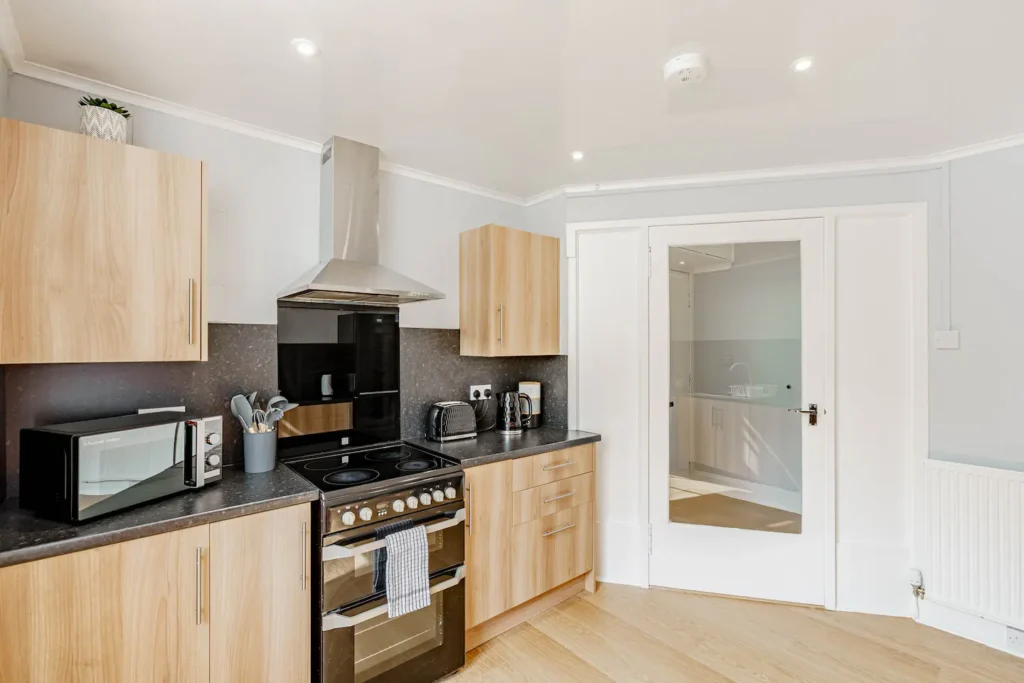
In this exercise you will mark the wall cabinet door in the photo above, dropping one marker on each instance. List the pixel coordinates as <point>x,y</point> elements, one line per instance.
<point>508,293</point>
<point>101,250</point>
<point>132,612</point>
<point>261,597</point>
<point>488,539</point>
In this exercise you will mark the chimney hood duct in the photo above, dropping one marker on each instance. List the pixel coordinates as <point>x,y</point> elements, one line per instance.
<point>349,270</point>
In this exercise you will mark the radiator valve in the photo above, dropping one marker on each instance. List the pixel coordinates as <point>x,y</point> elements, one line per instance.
<point>917,583</point>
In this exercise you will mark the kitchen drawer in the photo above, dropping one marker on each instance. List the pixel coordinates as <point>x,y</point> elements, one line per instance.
<point>545,468</point>
<point>540,501</point>
<point>551,550</point>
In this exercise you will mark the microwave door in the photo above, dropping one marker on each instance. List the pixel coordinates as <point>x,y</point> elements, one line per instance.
<point>122,469</point>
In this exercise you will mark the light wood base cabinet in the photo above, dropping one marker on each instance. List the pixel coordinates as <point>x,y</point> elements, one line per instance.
<point>184,607</point>
<point>488,541</point>
<point>530,533</point>
<point>125,613</point>
<point>102,250</point>
<point>260,597</point>
<point>508,292</point>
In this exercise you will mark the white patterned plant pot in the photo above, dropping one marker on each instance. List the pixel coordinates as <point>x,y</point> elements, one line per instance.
<point>104,124</point>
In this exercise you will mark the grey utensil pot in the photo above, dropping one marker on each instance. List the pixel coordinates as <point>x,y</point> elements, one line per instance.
<point>259,451</point>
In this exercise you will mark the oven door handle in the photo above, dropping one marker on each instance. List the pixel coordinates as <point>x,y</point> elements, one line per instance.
<point>334,552</point>
<point>333,621</point>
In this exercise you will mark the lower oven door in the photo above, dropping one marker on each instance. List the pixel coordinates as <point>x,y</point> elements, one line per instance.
<point>362,645</point>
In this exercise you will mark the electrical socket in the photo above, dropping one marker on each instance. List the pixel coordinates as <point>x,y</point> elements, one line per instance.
<point>1015,640</point>
<point>474,388</point>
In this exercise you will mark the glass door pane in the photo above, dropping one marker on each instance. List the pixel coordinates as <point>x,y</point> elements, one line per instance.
<point>735,448</point>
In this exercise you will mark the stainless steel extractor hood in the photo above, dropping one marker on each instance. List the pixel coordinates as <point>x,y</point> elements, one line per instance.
<point>349,270</point>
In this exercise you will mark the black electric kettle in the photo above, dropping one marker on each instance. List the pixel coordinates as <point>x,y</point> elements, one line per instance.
<point>510,413</point>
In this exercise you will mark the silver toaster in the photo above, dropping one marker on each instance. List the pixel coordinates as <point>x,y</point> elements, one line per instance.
<point>451,420</point>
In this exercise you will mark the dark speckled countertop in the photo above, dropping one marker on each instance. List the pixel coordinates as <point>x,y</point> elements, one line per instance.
<point>25,537</point>
<point>491,446</point>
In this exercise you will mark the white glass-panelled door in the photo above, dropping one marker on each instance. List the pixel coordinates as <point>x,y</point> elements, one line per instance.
<point>738,475</point>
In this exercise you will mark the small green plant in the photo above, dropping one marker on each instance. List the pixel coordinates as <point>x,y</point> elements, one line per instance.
<point>102,102</point>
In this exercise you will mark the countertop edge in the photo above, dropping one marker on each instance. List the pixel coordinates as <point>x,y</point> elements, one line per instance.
<point>73,545</point>
<point>469,462</point>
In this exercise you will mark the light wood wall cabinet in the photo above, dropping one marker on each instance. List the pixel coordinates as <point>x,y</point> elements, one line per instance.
<point>158,609</point>
<point>508,293</point>
<point>102,250</point>
<point>530,530</point>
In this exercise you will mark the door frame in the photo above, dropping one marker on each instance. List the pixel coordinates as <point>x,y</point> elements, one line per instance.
<point>918,212</point>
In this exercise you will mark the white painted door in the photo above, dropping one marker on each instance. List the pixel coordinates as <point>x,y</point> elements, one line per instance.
<point>751,518</point>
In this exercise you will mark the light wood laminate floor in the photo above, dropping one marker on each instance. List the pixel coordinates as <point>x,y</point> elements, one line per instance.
<point>627,634</point>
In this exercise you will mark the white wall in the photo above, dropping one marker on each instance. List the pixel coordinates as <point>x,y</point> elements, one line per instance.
<point>264,204</point>
<point>263,197</point>
<point>752,302</point>
<point>420,224</point>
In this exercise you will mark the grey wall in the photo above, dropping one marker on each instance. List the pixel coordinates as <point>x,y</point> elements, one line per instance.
<point>974,397</point>
<point>243,358</point>
<point>5,78</point>
<point>263,197</point>
<point>433,370</point>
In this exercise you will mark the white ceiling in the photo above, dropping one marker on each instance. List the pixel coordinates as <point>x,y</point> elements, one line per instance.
<point>498,93</point>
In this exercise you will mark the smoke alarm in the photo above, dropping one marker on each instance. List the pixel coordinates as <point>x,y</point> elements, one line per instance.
<point>690,68</point>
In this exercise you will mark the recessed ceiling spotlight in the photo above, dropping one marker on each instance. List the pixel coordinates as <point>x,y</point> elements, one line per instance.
<point>305,47</point>
<point>682,263</point>
<point>577,155</point>
<point>802,64</point>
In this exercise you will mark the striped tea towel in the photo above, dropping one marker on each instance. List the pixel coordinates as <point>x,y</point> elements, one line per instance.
<point>408,575</point>
<point>380,557</point>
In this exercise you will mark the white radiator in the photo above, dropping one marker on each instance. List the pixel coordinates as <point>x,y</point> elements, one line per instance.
<point>975,540</point>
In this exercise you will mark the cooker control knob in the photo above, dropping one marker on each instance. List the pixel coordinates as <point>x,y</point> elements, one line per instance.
<point>366,514</point>
<point>438,495</point>
<point>398,506</point>
<point>412,502</point>
<point>213,460</point>
<point>449,493</point>
<point>348,518</point>
<point>213,438</point>
<point>425,498</point>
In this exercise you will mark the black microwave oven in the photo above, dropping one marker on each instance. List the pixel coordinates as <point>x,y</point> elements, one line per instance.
<point>78,471</point>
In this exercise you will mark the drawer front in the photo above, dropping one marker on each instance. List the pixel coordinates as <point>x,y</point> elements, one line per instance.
<point>551,550</point>
<point>541,501</point>
<point>545,468</point>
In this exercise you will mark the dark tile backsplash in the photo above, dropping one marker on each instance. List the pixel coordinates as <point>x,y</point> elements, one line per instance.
<point>244,358</point>
<point>433,370</point>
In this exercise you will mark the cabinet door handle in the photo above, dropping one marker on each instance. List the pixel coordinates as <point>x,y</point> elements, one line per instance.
<point>559,465</point>
<point>199,586</point>
<point>191,310</point>
<point>557,531</point>
<point>469,512</point>
<point>302,546</point>
<point>564,495</point>
<point>501,324</point>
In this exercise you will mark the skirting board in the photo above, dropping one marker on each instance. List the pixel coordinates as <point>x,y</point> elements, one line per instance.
<point>492,628</point>
<point>979,629</point>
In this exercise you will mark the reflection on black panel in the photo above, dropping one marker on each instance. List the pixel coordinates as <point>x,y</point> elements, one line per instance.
<point>340,364</point>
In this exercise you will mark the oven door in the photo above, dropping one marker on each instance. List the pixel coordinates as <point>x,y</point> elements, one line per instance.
<point>362,645</point>
<point>353,561</point>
